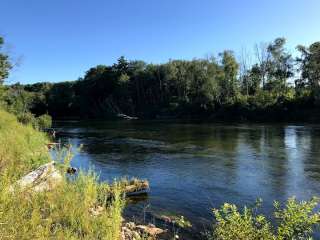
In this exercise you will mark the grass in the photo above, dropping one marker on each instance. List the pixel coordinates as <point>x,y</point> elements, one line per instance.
<point>63,212</point>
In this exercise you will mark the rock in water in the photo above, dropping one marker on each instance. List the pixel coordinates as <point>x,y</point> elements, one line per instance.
<point>44,178</point>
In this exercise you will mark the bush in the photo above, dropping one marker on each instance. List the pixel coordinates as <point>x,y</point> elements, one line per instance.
<point>28,119</point>
<point>232,224</point>
<point>40,123</point>
<point>44,121</point>
<point>296,220</point>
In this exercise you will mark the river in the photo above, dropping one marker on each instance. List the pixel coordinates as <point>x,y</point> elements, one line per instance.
<point>194,167</point>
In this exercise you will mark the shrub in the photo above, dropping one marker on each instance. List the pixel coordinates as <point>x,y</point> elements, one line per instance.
<point>232,224</point>
<point>296,220</point>
<point>44,121</point>
<point>28,118</point>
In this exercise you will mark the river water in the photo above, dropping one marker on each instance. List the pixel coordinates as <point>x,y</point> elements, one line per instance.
<point>194,167</point>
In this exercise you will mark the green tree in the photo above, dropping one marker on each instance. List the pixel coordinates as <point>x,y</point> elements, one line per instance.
<point>251,80</point>
<point>310,68</point>
<point>229,84</point>
<point>5,64</point>
<point>279,66</point>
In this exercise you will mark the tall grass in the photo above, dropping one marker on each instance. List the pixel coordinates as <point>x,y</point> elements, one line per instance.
<point>61,213</point>
<point>21,148</point>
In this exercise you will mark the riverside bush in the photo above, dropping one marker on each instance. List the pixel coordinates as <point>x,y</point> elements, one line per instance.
<point>296,220</point>
<point>44,121</point>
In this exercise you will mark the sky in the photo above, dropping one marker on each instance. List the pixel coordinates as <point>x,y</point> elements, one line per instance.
<point>59,40</point>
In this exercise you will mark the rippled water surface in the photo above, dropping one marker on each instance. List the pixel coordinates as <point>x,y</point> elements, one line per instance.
<point>193,168</point>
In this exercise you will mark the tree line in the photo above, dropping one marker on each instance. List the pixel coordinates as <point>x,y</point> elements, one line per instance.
<point>277,86</point>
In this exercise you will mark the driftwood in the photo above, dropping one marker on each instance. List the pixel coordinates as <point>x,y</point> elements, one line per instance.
<point>44,178</point>
<point>126,117</point>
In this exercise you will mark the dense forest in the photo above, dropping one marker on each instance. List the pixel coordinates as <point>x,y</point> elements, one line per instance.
<point>276,86</point>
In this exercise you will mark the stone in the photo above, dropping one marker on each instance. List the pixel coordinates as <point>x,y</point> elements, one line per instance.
<point>152,231</point>
<point>71,170</point>
<point>131,231</point>
<point>44,178</point>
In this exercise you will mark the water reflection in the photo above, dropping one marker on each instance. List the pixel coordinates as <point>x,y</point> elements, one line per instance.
<point>195,167</point>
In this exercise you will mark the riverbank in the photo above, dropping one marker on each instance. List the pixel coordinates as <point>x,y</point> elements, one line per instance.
<point>38,200</point>
<point>62,212</point>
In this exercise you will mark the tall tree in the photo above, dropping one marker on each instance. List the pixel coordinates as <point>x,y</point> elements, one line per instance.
<point>310,68</point>
<point>229,85</point>
<point>5,64</point>
<point>280,66</point>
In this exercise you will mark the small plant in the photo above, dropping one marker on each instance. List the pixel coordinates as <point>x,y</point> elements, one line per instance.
<point>182,222</point>
<point>178,222</point>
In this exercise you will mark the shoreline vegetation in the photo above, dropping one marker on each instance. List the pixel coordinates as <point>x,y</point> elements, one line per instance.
<point>266,85</point>
<point>62,212</point>
<point>217,88</point>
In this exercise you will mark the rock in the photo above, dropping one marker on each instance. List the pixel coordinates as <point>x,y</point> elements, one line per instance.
<point>130,225</point>
<point>150,230</point>
<point>131,231</point>
<point>71,170</point>
<point>44,178</point>
<point>166,219</point>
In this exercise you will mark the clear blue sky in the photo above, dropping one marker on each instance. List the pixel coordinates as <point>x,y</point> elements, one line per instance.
<point>60,39</point>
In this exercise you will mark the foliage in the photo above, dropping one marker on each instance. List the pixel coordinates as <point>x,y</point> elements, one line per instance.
<point>297,219</point>
<point>216,87</point>
<point>310,68</point>
<point>28,119</point>
<point>44,121</point>
<point>63,212</point>
<point>211,87</point>
<point>181,222</point>
<point>5,64</point>
<point>294,221</point>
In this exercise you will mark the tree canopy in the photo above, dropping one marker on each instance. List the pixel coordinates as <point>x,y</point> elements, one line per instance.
<point>275,86</point>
